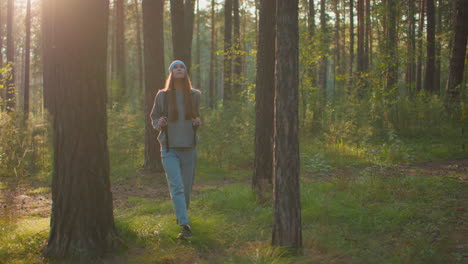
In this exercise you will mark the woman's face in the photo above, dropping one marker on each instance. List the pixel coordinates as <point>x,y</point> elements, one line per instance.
<point>178,71</point>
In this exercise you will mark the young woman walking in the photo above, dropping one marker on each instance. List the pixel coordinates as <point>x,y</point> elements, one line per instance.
<point>176,115</point>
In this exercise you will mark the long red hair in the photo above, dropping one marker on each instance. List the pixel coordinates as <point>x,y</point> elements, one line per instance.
<point>189,107</point>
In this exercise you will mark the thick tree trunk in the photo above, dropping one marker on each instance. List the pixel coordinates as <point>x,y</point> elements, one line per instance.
<point>120,51</point>
<point>457,57</point>
<point>212,91</point>
<point>189,16</point>
<point>82,223</point>
<point>198,51</point>
<point>182,29</point>
<point>153,34</point>
<point>10,49</point>
<point>264,100</point>
<point>27,57</point>
<point>137,13</point>
<point>430,49</point>
<point>287,227</point>
<point>227,51</point>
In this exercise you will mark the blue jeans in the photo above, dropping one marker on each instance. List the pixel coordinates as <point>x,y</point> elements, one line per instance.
<point>180,165</point>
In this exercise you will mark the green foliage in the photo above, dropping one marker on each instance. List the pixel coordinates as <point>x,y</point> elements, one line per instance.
<point>226,136</point>
<point>126,132</point>
<point>24,148</point>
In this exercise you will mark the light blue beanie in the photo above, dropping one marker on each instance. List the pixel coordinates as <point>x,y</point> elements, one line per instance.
<point>174,63</point>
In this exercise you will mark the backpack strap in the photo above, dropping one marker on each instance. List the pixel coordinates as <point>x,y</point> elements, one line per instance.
<point>166,114</point>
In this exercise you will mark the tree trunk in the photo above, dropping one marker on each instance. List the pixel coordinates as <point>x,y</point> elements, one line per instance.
<point>391,47</point>
<point>457,57</point>
<point>137,13</point>
<point>10,49</point>
<point>178,29</point>
<point>153,34</point>
<point>120,52</point>
<point>368,38</point>
<point>237,57</point>
<point>287,227</point>
<point>82,223</point>
<point>338,65</point>
<point>411,48</point>
<point>188,13</point>
<point>437,64</point>
<point>430,49</point>
<point>197,56</point>
<point>420,46</point>
<point>27,57</point>
<point>2,91</point>
<point>264,100</point>
<point>351,43</point>
<point>323,74</point>
<point>227,51</point>
<point>361,35</point>
<point>212,91</point>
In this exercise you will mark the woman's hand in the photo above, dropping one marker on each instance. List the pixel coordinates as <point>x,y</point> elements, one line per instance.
<point>196,121</point>
<point>162,122</point>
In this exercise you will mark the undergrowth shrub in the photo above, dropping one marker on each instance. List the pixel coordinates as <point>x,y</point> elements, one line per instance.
<point>226,136</point>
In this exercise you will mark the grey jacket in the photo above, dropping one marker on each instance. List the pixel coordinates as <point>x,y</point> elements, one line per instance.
<point>181,132</point>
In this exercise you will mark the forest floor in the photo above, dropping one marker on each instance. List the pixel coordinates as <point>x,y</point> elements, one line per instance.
<point>22,201</point>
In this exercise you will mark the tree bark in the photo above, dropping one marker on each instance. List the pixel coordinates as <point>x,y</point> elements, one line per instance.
<point>287,227</point>
<point>182,30</point>
<point>137,14</point>
<point>420,46</point>
<point>391,47</point>
<point>351,44</point>
<point>82,223</point>
<point>10,49</point>
<point>189,16</point>
<point>120,51</point>
<point>198,51</point>
<point>411,48</point>
<point>323,73</point>
<point>437,58</point>
<point>361,37</point>
<point>237,57</point>
<point>430,49</point>
<point>227,51</point>
<point>212,91</point>
<point>153,34</point>
<point>264,100</point>
<point>27,57</point>
<point>457,57</point>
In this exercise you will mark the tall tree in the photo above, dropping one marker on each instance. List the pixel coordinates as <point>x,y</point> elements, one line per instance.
<point>391,47</point>
<point>198,50</point>
<point>212,91</point>
<point>227,50</point>
<point>82,222</point>
<point>2,91</point>
<point>264,100</point>
<point>351,42</point>
<point>430,48</point>
<point>137,15</point>
<point>153,34</point>
<point>457,56</point>
<point>287,227</point>
<point>121,74</point>
<point>420,46</point>
<point>361,36</point>
<point>27,57</point>
<point>182,29</point>
<point>10,49</point>
<point>411,47</point>
<point>312,35</point>
<point>323,74</point>
<point>237,57</point>
<point>438,47</point>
